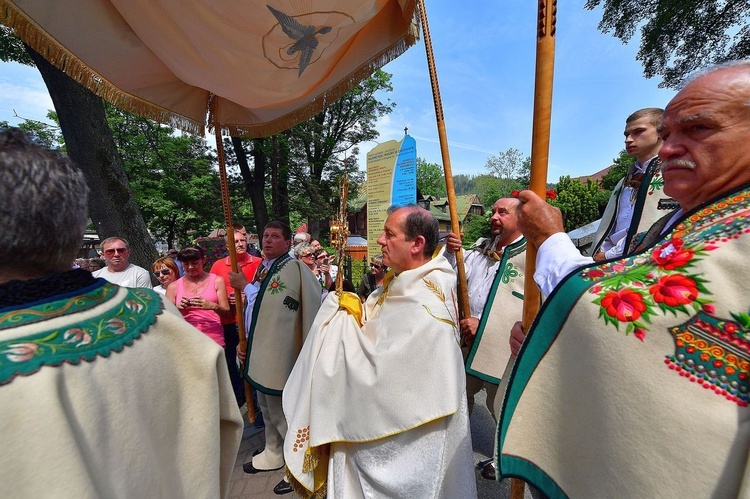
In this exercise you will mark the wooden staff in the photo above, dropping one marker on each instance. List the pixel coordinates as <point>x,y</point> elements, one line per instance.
<point>545,66</point>
<point>232,252</point>
<point>463,290</point>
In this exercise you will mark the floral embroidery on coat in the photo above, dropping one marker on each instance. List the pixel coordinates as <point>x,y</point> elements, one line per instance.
<point>709,350</point>
<point>99,335</point>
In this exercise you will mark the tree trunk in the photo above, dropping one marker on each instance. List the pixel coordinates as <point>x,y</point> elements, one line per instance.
<point>90,145</point>
<point>280,178</point>
<point>254,180</point>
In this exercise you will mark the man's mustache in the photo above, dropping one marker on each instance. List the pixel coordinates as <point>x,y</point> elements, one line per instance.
<point>682,163</point>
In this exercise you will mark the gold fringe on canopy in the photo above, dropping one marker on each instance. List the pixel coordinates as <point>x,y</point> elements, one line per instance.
<point>35,35</point>
<point>39,40</point>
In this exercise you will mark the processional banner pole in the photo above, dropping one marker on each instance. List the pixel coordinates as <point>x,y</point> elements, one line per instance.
<point>463,291</point>
<point>545,68</point>
<point>232,252</point>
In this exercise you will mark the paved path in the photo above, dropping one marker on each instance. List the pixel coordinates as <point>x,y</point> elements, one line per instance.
<point>261,485</point>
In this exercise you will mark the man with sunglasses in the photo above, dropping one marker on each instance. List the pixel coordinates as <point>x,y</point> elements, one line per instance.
<point>119,270</point>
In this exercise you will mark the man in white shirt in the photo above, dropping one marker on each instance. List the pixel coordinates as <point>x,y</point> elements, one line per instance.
<point>636,201</point>
<point>495,273</point>
<point>119,270</point>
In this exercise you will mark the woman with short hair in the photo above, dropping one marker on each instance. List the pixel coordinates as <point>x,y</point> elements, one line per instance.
<point>166,272</point>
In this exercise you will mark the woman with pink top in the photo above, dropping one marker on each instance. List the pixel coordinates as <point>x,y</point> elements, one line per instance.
<point>201,297</point>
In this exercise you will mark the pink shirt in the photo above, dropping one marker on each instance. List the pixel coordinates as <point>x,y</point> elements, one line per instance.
<point>207,321</point>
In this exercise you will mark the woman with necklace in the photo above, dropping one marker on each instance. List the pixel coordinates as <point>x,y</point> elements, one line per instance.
<point>200,296</point>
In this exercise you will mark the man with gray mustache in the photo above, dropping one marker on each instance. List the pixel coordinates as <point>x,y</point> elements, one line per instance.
<point>634,380</point>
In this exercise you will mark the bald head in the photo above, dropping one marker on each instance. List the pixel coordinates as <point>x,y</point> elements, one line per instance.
<point>706,151</point>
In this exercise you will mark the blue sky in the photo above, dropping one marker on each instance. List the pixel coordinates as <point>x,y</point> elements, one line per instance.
<point>484,53</point>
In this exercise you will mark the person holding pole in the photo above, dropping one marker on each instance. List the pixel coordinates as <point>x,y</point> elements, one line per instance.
<point>634,380</point>
<point>376,403</point>
<point>248,265</point>
<point>495,271</point>
<point>282,300</point>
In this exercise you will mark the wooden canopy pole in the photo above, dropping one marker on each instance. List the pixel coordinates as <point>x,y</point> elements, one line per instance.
<point>463,290</point>
<point>232,252</point>
<point>545,67</point>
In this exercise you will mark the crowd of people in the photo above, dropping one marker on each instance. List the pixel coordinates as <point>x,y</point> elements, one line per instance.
<point>632,381</point>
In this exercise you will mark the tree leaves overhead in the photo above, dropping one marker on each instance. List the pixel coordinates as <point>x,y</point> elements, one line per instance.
<point>172,176</point>
<point>679,36</point>
<point>11,48</point>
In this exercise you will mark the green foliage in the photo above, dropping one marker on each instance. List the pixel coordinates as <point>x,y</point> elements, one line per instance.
<point>476,226</point>
<point>172,176</point>
<point>11,48</point>
<point>578,202</point>
<point>678,36</point>
<point>602,198</point>
<point>463,184</point>
<point>490,188</point>
<point>44,133</point>
<point>323,148</point>
<point>430,179</point>
<point>618,171</point>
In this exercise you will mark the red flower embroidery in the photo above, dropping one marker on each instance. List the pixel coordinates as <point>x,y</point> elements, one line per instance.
<point>709,308</point>
<point>595,273</point>
<point>674,290</point>
<point>625,305</point>
<point>640,333</point>
<point>671,255</point>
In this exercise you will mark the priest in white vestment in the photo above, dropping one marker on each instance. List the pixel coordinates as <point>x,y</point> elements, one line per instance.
<point>376,404</point>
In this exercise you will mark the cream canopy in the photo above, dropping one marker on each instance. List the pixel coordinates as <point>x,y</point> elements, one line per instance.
<point>268,64</point>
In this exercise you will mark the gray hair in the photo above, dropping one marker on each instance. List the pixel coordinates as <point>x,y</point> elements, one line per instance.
<point>43,205</point>
<point>301,237</point>
<point>113,239</point>
<point>303,249</point>
<point>714,67</point>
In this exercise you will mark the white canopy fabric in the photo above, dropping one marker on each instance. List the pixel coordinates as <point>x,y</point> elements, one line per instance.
<point>268,64</point>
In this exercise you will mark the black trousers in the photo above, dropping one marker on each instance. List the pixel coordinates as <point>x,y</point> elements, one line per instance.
<point>231,341</point>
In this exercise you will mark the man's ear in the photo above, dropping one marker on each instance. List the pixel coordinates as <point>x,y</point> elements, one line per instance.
<point>418,245</point>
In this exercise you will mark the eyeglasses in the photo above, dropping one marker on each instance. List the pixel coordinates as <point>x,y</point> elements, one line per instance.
<point>162,272</point>
<point>375,266</point>
<point>305,256</point>
<point>112,251</point>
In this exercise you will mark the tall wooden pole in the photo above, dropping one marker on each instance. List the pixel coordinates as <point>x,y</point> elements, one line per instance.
<point>545,68</point>
<point>224,184</point>
<point>463,290</point>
